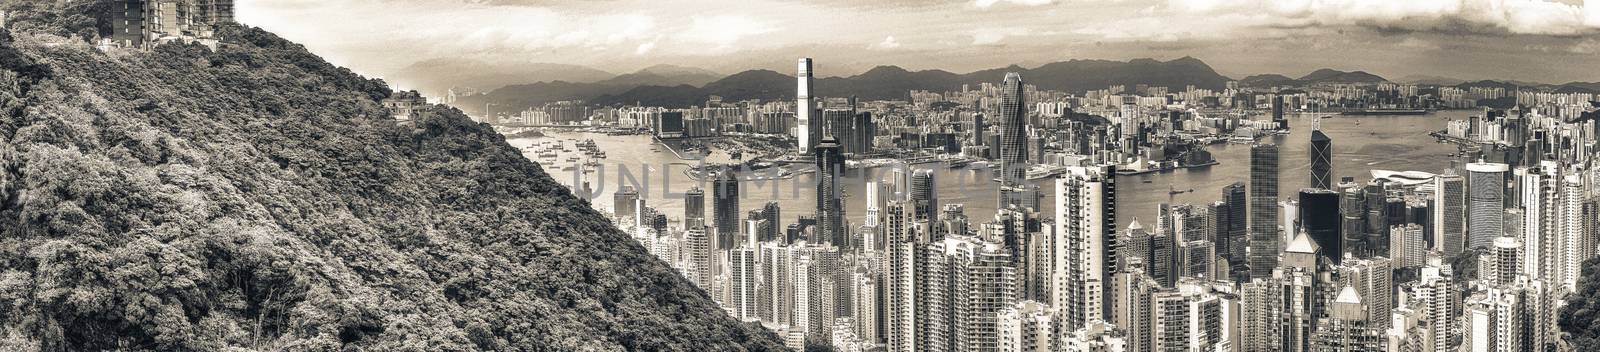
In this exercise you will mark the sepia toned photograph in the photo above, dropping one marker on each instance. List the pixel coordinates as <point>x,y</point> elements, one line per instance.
<point>800,175</point>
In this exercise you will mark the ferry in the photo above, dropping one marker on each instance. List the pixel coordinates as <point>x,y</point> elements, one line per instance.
<point>958,163</point>
<point>1044,171</point>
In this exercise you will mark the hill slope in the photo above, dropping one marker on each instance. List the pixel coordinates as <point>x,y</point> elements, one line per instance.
<point>260,198</point>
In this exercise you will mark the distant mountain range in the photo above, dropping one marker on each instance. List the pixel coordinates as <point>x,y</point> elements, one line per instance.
<point>883,82</point>
<point>677,86</point>
<point>1319,76</point>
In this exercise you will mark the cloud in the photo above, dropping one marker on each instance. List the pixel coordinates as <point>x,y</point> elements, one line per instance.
<point>722,31</point>
<point>887,43</point>
<point>993,36</point>
<point>644,48</point>
<point>988,3</point>
<point>1540,17</point>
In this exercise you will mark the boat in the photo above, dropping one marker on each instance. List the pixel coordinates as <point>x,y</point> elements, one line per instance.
<point>1044,171</point>
<point>958,163</point>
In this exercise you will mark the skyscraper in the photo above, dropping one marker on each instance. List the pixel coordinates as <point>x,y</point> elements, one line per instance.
<point>1013,138</point>
<point>694,207</point>
<point>725,205</point>
<point>624,201</point>
<point>1235,197</point>
<point>1263,210</point>
<point>1086,244</point>
<point>805,107</point>
<point>1449,213</point>
<point>1321,160</point>
<point>1320,219</point>
<point>830,209</point>
<point>922,194</point>
<point>1485,203</point>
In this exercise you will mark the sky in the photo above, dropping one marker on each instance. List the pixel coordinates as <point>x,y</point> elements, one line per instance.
<point>1552,41</point>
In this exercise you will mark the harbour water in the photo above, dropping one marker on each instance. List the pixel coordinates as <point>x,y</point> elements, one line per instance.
<point>1360,144</point>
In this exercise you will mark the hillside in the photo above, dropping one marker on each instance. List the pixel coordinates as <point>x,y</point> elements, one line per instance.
<point>258,198</point>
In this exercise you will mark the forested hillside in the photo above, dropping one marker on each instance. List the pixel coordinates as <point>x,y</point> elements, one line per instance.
<point>259,198</point>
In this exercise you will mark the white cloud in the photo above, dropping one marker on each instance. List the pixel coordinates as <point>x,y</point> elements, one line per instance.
<point>1546,17</point>
<point>988,3</point>
<point>644,48</point>
<point>992,36</point>
<point>887,43</point>
<point>722,31</point>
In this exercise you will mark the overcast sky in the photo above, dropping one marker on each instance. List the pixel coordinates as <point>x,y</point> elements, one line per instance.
<point>1533,40</point>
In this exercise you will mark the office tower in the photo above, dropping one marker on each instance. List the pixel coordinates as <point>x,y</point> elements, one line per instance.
<point>1235,198</point>
<point>1197,259</point>
<point>1013,135</point>
<point>1407,246</point>
<point>805,107</point>
<point>1086,247</point>
<point>771,215</point>
<point>1277,112</point>
<point>698,260</point>
<point>742,279</point>
<point>1449,213</point>
<point>1298,277</point>
<point>1320,218</point>
<point>923,199</point>
<point>1373,278</point>
<point>694,207</point>
<point>725,206</point>
<point>623,202</point>
<point>830,208</point>
<point>1263,210</point>
<point>1026,326</point>
<point>1485,203</point>
<point>1353,211</point>
<point>1348,326</point>
<point>1321,160</point>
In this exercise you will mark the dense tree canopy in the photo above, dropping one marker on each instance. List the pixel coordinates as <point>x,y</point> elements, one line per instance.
<point>259,198</point>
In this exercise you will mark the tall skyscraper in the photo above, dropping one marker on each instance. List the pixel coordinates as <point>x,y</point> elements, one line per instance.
<point>694,207</point>
<point>1263,210</point>
<point>805,107</point>
<point>1485,203</point>
<point>1013,139</point>
<point>922,194</point>
<point>830,209</point>
<point>1319,218</point>
<point>725,205</point>
<point>1235,197</point>
<point>1449,213</point>
<point>1321,160</point>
